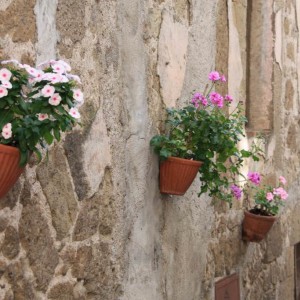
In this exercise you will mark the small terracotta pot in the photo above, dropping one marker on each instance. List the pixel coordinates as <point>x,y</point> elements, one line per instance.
<point>256,227</point>
<point>10,170</point>
<point>177,174</point>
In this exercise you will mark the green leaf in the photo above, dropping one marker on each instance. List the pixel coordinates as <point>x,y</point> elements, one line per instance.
<point>56,133</point>
<point>245,153</point>
<point>23,157</point>
<point>5,117</point>
<point>48,137</point>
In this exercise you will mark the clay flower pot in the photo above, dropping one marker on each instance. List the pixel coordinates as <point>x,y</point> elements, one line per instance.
<point>177,174</point>
<point>256,227</point>
<point>10,170</point>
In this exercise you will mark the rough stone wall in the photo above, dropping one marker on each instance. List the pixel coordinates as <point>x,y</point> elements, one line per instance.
<point>90,222</point>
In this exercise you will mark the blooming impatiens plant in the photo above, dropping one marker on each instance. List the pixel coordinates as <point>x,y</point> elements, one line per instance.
<point>204,130</point>
<point>37,104</point>
<point>267,199</point>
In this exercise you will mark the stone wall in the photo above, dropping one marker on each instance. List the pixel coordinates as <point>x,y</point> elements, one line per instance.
<point>90,222</point>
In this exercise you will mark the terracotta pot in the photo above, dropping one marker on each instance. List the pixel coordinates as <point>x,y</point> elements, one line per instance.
<point>177,174</point>
<point>10,170</point>
<point>256,227</point>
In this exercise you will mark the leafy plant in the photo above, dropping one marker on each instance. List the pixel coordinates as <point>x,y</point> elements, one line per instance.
<point>37,104</point>
<point>204,131</point>
<point>267,199</point>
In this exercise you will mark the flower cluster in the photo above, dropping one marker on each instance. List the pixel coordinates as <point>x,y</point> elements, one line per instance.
<point>37,104</point>
<point>212,98</point>
<point>267,198</point>
<point>203,131</point>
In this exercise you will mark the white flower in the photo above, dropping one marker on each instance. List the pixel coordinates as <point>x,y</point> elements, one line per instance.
<point>53,77</point>
<point>6,84</point>
<point>13,61</point>
<point>58,68</point>
<point>32,71</point>
<point>78,95</point>
<point>42,117</point>
<point>7,134</point>
<point>5,74</point>
<point>39,76</point>
<point>3,91</point>
<point>66,65</point>
<point>74,113</point>
<point>6,131</point>
<point>6,127</point>
<point>64,78</point>
<point>55,99</point>
<point>43,65</point>
<point>74,77</point>
<point>48,90</point>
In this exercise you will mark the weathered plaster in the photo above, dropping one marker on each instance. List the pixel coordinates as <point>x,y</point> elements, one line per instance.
<point>90,223</point>
<point>45,12</point>
<point>235,67</point>
<point>278,38</point>
<point>172,55</point>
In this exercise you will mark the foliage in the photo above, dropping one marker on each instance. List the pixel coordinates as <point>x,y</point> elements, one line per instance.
<point>37,105</point>
<point>204,131</point>
<point>267,199</point>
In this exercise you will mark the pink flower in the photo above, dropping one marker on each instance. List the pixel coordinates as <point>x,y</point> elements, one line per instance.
<point>254,177</point>
<point>55,99</point>
<point>42,117</point>
<point>269,196</point>
<point>237,192</point>
<point>214,76</point>
<point>282,180</point>
<point>3,92</point>
<point>199,98</point>
<point>216,99</point>
<point>228,98</point>
<point>48,90</point>
<point>281,192</point>
<point>74,113</point>
<point>223,78</point>
<point>204,101</point>
<point>5,74</point>
<point>195,100</point>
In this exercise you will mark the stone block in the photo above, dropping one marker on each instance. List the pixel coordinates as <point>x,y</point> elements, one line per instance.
<point>10,247</point>
<point>58,189</point>
<point>19,21</point>
<point>37,241</point>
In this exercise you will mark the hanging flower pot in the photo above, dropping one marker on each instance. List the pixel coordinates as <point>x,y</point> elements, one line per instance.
<point>10,170</point>
<point>256,227</point>
<point>177,174</point>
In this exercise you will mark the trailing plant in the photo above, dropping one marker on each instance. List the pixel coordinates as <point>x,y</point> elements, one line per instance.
<point>204,131</point>
<point>37,104</point>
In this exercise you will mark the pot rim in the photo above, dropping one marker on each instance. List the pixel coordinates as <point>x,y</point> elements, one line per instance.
<point>254,216</point>
<point>183,160</point>
<point>9,149</point>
